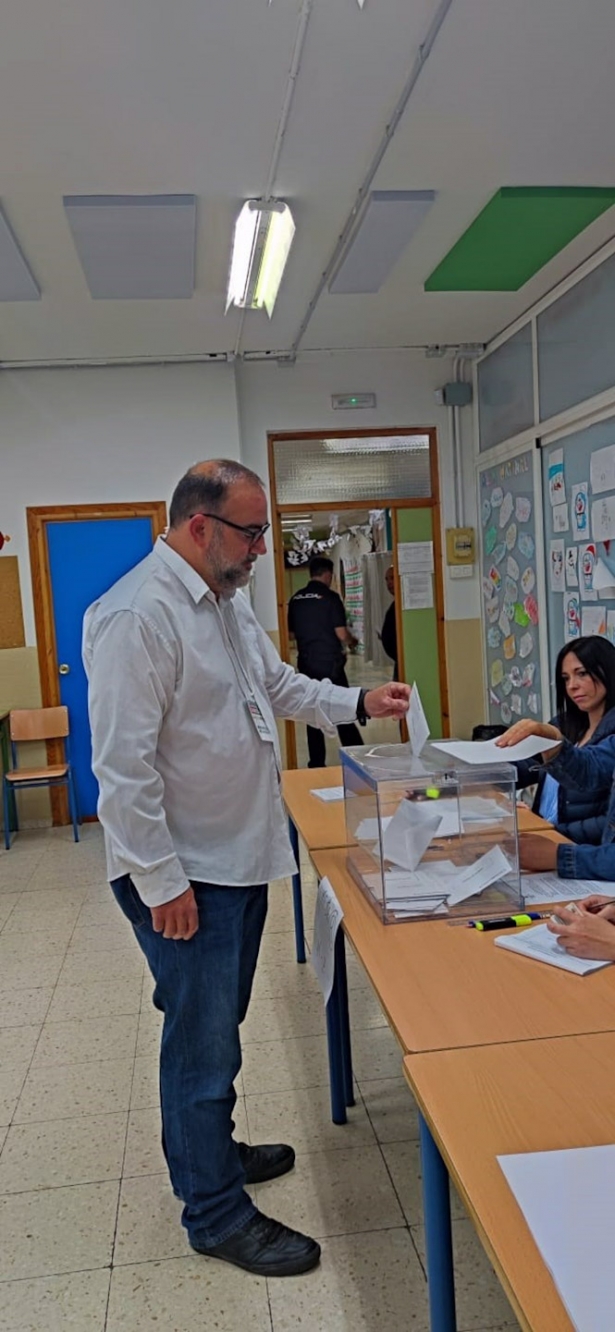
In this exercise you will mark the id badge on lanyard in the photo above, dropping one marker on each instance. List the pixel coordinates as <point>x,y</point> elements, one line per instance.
<point>262,729</point>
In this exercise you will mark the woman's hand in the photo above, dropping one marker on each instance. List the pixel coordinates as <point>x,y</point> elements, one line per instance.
<point>521,730</point>
<point>584,935</point>
<point>537,853</point>
<point>599,905</point>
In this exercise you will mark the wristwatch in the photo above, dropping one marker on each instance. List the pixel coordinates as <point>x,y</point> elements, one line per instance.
<point>362,716</point>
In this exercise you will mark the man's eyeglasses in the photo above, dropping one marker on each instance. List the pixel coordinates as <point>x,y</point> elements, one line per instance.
<point>252,534</point>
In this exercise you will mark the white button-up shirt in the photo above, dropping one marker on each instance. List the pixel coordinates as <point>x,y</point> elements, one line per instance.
<point>188,787</point>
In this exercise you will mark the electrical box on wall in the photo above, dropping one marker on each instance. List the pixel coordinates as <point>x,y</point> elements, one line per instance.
<point>455,394</point>
<point>460,545</point>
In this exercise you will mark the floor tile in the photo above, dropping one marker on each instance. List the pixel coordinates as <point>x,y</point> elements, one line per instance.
<point>404,1164</point>
<point>12,1079</point>
<point>63,1091</point>
<point>103,938</point>
<point>480,1299</point>
<point>365,1011</point>
<point>277,946</point>
<point>57,1230</point>
<point>17,1044</point>
<point>283,978</point>
<point>370,1283</point>
<point>145,1084</point>
<point>300,1015</point>
<point>7,903</point>
<point>148,1033</point>
<point>63,1152</point>
<point>280,917</point>
<point>149,1225</point>
<point>100,999</point>
<point>75,1302</point>
<point>22,1008</point>
<point>183,1294</point>
<point>334,1193</point>
<point>24,973</point>
<point>272,1066</point>
<point>391,1109</point>
<point>303,1118</point>
<point>144,1155</point>
<point>79,969</point>
<point>375,1054</point>
<point>84,1039</point>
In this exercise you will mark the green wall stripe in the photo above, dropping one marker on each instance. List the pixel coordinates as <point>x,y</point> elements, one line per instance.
<point>518,232</point>
<point>420,628</point>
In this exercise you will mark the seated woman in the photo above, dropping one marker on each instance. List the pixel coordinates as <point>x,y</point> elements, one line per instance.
<point>585,696</point>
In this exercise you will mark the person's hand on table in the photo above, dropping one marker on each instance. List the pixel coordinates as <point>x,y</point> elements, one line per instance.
<point>584,935</point>
<point>177,919</point>
<point>599,905</point>
<point>537,852</point>
<point>389,700</point>
<point>522,730</point>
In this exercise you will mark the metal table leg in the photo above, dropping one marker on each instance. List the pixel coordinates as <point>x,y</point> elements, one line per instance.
<point>297,896</point>
<point>341,990</point>
<point>438,1236</point>
<point>336,1061</point>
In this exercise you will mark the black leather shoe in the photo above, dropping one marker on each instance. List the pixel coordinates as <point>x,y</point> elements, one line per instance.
<point>267,1248</point>
<point>266,1161</point>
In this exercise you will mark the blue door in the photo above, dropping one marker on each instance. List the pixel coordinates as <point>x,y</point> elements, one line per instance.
<point>85,559</point>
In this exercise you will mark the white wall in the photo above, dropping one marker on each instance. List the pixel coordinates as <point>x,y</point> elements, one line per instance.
<point>108,434</point>
<point>299,398</point>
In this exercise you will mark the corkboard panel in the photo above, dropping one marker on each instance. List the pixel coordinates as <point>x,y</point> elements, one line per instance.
<point>11,613</point>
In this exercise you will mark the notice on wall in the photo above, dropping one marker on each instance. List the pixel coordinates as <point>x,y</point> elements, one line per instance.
<point>415,557</point>
<point>416,591</point>
<point>602,469</point>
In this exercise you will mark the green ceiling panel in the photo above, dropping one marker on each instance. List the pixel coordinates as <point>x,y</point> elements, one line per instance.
<point>518,232</point>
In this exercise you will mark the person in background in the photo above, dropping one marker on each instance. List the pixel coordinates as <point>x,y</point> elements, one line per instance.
<point>317,622</point>
<point>184,691</point>
<point>388,633</point>
<point>585,697</point>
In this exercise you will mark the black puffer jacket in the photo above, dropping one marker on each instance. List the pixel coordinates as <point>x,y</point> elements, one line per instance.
<point>581,815</point>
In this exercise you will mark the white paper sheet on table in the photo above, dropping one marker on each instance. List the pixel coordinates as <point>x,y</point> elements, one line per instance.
<point>568,1200</point>
<point>539,944</point>
<point>328,793</point>
<point>486,751</point>
<point>409,833</point>
<point>540,888</point>
<point>488,869</point>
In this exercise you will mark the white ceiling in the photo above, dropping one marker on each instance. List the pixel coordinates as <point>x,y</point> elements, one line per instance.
<point>154,97</point>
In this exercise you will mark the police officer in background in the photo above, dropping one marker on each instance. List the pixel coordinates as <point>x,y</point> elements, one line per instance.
<point>317,622</point>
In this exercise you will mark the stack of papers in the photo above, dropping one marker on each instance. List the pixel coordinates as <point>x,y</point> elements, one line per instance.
<point>542,946</point>
<point>438,886</point>
<point>540,888</point>
<point>329,793</point>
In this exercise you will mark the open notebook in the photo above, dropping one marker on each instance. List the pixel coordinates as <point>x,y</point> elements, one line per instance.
<point>540,944</point>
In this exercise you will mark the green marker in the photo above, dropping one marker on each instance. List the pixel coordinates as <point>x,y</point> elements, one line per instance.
<point>432,793</point>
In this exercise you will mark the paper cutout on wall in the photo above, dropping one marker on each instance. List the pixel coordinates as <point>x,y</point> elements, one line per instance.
<point>497,495</point>
<point>531,606</point>
<point>572,616</point>
<point>533,703</point>
<point>499,553</point>
<point>523,509</point>
<point>587,561</point>
<point>511,536</point>
<point>507,685</point>
<point>514,675</point>
<point>593,620</point>
<point>485,511</point>
<point>512,568</point>
<point>603,518</point>
<point>557,488</point>
<point>526,645</point>
<point>529,672</point>
<point>506,509</point>
<point>506,714</point>
<point>509,647</point>
<point>526,545</point>
<point>580,508</point>
<point>491,536</point>
<point>516,704</point>
<point>528,580</point>
<point>556,566</point>
<point>504,624</point>
<point>560,518</point>
<point>494,637</point>
<point>497,672</point>
<point>602,469</point>
<point>492,609</point>
<point>572,573</point>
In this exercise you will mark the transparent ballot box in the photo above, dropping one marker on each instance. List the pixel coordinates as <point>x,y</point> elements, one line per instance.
<point>431,836</point>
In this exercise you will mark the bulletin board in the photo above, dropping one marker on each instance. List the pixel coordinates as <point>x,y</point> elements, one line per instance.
<point>11,613</point>
<point>579,533</point>
<point>512,586</point>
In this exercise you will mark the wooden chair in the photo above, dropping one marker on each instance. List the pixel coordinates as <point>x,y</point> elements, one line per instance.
<point>27,724</point>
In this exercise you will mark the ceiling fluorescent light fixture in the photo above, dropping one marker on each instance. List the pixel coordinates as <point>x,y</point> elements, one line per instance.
<point>377,444</point>
<point>261,245</point>
<point>388,223</point>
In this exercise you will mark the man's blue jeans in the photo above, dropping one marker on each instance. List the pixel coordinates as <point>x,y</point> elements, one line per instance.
<point>203,988</point>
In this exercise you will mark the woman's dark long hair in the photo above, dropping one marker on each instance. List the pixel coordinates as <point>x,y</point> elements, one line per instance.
<point>597,655</point>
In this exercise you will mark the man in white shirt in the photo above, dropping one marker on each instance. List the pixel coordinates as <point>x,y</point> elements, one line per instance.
<point>184,691</point>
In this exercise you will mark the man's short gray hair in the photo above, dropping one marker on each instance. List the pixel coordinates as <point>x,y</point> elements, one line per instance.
<point>205,491</point>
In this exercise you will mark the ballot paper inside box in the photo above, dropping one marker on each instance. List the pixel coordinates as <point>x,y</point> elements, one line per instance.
<point>431,837</point>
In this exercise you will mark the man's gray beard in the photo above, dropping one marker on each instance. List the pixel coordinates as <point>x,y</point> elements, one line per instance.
<point>231,578</point>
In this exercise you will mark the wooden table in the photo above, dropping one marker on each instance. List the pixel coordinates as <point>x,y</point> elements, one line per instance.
<point>322,826</point>
<point>533,1096</point>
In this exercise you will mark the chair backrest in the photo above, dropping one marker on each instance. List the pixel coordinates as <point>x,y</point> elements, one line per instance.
<point>38,723</point>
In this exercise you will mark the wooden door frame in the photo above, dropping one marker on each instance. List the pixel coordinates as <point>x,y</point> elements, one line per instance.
<point>37,520</point>
<point>428,502</point>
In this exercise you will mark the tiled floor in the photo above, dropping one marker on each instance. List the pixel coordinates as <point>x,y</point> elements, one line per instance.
<point>90,1235</point>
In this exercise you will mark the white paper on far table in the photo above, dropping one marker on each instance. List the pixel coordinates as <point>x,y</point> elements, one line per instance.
<point>418,728</point>
<point>328,793</point>
<point>487,752</point>
<point>409,833</point>
<point>568,1200</point>
<point>327,917</point>
<point>538,943</point>
<point>540,888</point>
